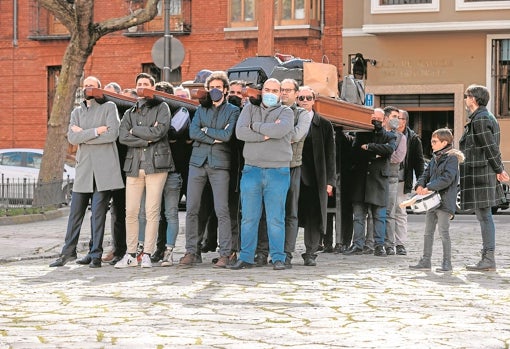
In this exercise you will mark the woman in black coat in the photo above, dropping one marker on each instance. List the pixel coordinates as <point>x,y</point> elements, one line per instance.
<point>318,176</point>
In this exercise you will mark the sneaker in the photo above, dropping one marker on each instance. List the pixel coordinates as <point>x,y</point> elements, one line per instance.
<point>168,258</point>
<point>278,265</point>
<point>139,252</point>
<point>157,256</point>
<point>390,251</point>
<point>401,250</point>
<point>126,261</point>
<point>187,261</point>
<point>379,251</point>
<point>222,262</point>
<point>146,261</point>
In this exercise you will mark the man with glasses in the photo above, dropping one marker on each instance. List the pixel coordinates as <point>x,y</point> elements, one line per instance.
<point>412,167</point>
<point>266,132</point>
<point>318,176</point>
<point>302,119</point>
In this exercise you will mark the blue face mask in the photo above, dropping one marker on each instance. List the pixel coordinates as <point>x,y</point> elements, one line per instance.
<point>269,99</point>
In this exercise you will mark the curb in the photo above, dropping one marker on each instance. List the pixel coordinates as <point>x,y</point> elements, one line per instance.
<point>30,218</point>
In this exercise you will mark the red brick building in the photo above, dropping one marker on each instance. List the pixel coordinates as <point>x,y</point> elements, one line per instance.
<point>215,35</point>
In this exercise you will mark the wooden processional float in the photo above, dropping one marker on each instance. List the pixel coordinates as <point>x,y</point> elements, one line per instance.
<point>340,113</point>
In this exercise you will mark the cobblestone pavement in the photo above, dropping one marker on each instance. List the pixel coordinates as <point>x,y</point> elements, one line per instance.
<point>344,302</point>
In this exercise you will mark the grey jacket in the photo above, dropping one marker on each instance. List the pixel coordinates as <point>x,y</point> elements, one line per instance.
<point>256,122</point>
<point>97,159</point>
<point>302,120</point>
<point>147,141</point>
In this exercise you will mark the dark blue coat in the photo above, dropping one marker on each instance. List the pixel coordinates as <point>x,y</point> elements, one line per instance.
<point>442,176</point>
<point>220,123</point>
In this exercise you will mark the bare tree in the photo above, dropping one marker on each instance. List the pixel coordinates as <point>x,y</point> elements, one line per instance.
<point>78,17</point>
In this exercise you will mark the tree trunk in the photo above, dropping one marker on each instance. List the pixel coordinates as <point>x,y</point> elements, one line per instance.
<point>49,190</point>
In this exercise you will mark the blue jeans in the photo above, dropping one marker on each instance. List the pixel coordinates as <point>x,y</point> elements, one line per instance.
<point>268,186</point>
<point>170,205</point>
<point>484,217</point>
<point>360,211</point>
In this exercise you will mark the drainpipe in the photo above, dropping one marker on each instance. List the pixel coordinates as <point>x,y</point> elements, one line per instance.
<point>322,16</point>
<point>15,24</point>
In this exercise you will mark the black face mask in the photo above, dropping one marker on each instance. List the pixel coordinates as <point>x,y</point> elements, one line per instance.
<point>235,100</point>
<point>256,100</point>
<point>205,101</point>
<point>377,124</point>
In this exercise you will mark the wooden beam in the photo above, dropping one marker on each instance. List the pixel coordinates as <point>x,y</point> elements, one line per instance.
<point>265,19</point>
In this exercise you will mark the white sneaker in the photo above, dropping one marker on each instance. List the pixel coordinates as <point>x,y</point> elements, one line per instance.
<point>168,258</point>
<point>126,261</point>
<point>146,261</point>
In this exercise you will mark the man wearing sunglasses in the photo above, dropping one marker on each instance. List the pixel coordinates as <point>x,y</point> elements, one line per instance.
<point>318,174</point>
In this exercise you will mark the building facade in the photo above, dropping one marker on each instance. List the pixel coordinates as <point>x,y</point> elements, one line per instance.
<point>215,35</point>
<point>422,55</point>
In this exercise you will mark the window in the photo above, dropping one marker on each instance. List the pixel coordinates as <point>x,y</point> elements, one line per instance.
<point>34,160</point>
<point>404,6</point>
<point>477,5</point>
<point>179,17</point>
<point>12,159</point>
<point>243,13</point>
<point>43,25</point>
<point>501,77</point>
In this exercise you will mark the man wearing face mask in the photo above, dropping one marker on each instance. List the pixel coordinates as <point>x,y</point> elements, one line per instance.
<point>370,171</point>
<point>211,130</point>
<point>94,128</point>
<point>266,132</point>
<point>392,123</point>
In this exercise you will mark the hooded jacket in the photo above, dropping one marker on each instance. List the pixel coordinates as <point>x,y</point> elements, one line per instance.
<point>442,176</point>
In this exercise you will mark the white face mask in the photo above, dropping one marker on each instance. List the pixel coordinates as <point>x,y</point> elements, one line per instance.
<point>393,123</point>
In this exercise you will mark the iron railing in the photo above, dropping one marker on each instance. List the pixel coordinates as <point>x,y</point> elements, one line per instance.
<point>17,195</point>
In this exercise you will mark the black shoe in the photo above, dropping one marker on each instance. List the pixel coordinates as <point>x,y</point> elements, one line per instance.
<point>390,251</point>
<point>379,251</point>
<point>288,263</point>
<point>279,265</point>
<point>260,261</point>
<point>310,262</point>
<point>115,260</point>
<point>367,250</point>
<point>206,249</point>
<point>338,249</point>
<point>353,250</point>
<point>328,249</point>
<point>240,264</point>
<point>85,260</point>
<point>401,250</point>
<point>62,260</point>
<point>95,263</point>
<point>157,256</point>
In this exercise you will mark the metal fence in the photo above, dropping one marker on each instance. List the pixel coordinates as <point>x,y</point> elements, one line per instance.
<point>17,195</point>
